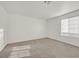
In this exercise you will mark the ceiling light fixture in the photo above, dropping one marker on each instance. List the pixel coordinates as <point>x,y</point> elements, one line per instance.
<point>47,3</point>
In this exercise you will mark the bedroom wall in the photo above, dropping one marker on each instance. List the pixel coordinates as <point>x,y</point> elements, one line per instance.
<point>24,28</point>
<point>54,29</point>
<point>3,26</point>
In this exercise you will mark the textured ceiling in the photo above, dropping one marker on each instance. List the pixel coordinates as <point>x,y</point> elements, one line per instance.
<point>37,9</point>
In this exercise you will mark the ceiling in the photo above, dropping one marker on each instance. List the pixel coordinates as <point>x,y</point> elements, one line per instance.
<point>37,9</point>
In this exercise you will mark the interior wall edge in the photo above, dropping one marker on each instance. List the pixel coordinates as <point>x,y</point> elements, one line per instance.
<point>64,15</point>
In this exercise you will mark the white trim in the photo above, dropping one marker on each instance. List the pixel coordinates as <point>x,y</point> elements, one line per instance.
<point>65,41</point>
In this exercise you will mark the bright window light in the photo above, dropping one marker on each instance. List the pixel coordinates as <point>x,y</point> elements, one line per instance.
<point>70,27</point>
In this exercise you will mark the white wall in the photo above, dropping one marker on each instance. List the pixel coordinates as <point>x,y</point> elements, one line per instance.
<point>24,28</point>
<point>54,28</point>
<point>4,26</point>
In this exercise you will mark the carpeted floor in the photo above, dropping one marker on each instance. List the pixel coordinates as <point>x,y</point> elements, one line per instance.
<point>40,48</point>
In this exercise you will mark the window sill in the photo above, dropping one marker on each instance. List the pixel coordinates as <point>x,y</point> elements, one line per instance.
<point>70,35</point>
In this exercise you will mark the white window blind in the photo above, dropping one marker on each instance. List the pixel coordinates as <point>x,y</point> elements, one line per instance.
<point>64,25</point>
<point>70,26</point>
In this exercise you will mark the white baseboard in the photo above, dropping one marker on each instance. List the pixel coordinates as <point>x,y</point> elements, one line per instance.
<point>27,40</point>
<point>64,41</point>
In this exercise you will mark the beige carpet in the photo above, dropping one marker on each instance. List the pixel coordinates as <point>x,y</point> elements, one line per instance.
<point>20,51</point>
<point>40,48</point>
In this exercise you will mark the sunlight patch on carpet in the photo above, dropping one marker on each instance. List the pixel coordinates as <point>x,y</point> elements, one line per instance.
<point>20,51</point>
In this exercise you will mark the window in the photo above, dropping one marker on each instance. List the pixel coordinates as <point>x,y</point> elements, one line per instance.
<point>70,27</point>
<point>2,43</point>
